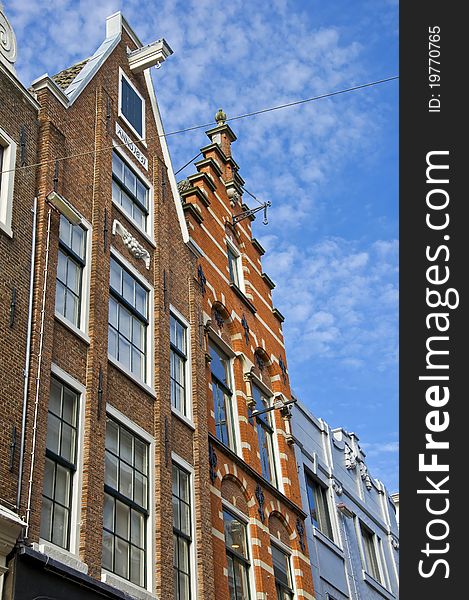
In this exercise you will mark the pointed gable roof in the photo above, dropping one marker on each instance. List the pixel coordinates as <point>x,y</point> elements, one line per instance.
<point>69,83</point>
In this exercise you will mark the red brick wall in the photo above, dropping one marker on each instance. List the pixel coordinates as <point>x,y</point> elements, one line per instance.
<point>209,212</point>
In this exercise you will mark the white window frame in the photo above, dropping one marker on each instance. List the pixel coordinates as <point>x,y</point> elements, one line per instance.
<point>82,331</point>
<point>8,181</point>
<point>288,551</point>
<point>327,497</point>
<point>109,576</point>
<point>247,521</point>
<point>376,546</point>
<point>239,264</point>
<point>189,418</point>
<point>275,447</point>
<point>77,481</point>
<point>225,349</point>
<point>148,231</point>
<point>140,138</point>
<point>147,385</point>
<point>193,548</point>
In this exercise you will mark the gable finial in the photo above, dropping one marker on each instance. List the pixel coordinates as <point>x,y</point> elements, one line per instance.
<point>220,117</point>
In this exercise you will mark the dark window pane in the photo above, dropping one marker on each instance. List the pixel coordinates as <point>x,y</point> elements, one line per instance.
<point>181,532</point>
<point>46,519</point>
<point>235,534</point>
<point>132,106</point>
<point>60,526</point>
<point>124,547</point>
<point>233,263</point>
<point>108,550</point>
<point>70,270</point>
<point>281,566</point>
<point>219,365</point>
<point>127,329</point>
<point>371,558</point>
<point>61,444</point>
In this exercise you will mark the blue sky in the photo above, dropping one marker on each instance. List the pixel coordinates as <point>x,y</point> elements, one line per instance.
<point>329,167</point>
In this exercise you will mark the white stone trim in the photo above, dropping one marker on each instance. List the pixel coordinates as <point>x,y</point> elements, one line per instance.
<point>140,137</point>
<point>133,590</point>
<point>7,182</point>
<point>218,534</point>
<point>166,156</point>
<point>61,555</point>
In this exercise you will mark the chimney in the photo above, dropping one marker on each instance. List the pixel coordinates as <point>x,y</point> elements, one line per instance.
<point>222,134</point>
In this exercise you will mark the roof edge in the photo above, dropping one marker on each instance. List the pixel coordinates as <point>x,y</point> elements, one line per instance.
<point>115,23</point>
<point>46,82</point>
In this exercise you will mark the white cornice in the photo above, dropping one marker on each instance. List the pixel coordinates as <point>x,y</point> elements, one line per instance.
<point>45,82</point>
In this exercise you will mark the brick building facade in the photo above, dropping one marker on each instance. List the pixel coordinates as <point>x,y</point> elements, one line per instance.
<point>18,147</point>
<point>114,321</point>
<point>152,397</point>
<point>259,546</point>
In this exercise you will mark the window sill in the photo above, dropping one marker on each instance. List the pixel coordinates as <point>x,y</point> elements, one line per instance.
<point>6,230</point>
<point>134,591</point>
<point>71,327</point>
<point>322,537</point>
<point>144,386</point>
<point>134,224</point>
<point>61,555</point>
<point>183,418</point>
<point>243,297</point>
<point>376,585</point>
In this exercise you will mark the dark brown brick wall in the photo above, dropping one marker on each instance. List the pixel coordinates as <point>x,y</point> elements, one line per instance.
<point>85,182</point>
<point>15,263</point>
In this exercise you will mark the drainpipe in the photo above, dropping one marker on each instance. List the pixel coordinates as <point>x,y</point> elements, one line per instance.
<point>38,375</point>
<point>28,356</point>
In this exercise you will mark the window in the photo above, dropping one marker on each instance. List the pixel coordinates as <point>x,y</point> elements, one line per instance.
<point>265,436</point>
<point>128,320</point>
<point>369,550</point>
<point>60,465</point>
<point>237,557</point>
<point>234,267</point>
<point>132,106</point>
<point>318,506</point>
<point>182,536</point>
<point>125,503</point>
<point>70,266</point>
<point>222,397</point>
<point>129,191</point>
<point>282,573</point>
<point>7,180</point>
<point>178,358</point>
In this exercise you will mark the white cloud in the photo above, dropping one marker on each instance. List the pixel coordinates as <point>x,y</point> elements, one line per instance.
<point>340,300</point>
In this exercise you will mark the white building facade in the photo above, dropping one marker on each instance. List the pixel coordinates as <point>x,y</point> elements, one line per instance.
<point>352,531</point>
